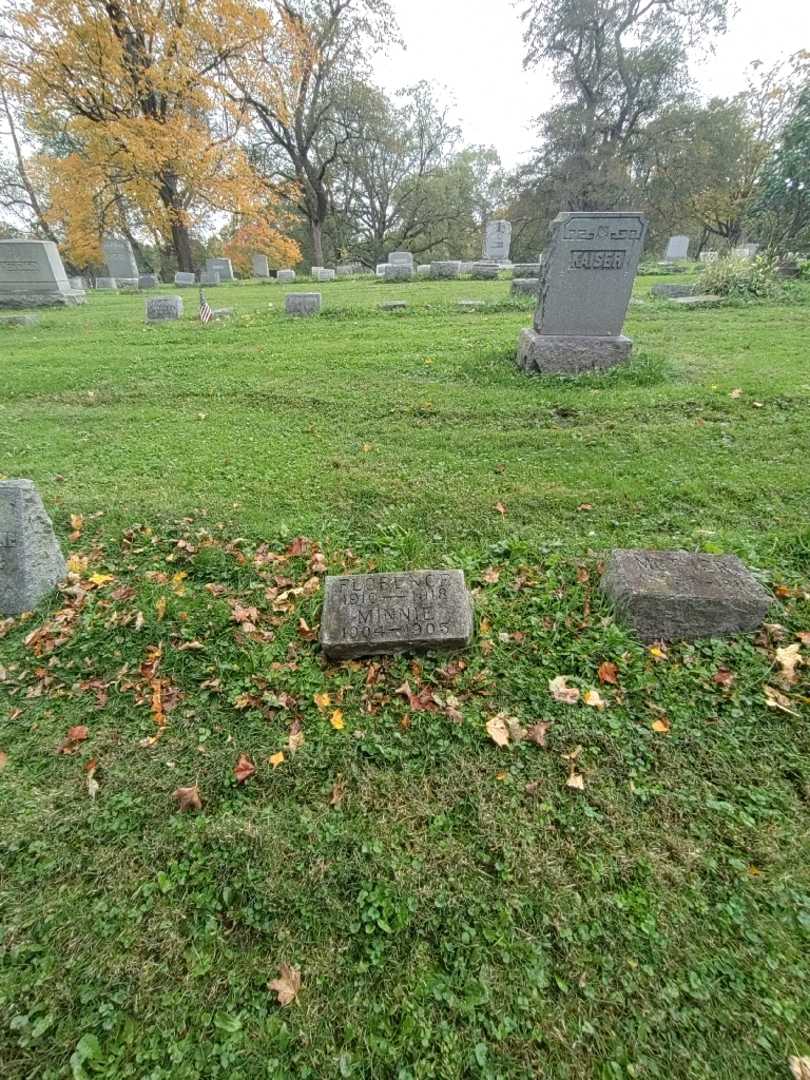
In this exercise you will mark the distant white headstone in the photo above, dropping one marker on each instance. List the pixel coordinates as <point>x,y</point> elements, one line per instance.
<point>400,258</point>
<point>497,240</point>
<point>677,248</point>
<point>287,276</point>
<point>119,257</point>
<point>32,275</point>
<point>709,256</point>
<point>184,278</point>
<point>261,267</point>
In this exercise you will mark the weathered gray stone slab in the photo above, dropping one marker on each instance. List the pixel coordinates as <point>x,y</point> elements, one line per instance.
<point>745,251</point>
<point>699,300</point>
<point>677,248</point>
<point>148,281</point>
<point>466,268</point>
<point>670,292</point>
<point>349,270</point>
<point>30,560</point>
<point>184,279</point>
<point>423,270</point>
<point>325,274</point>
<point>400,258</point>
<point>127,282</point>
<point>414,611</point>
<point>164,309</point>
<point>587,275</point>
<point>709,256</point>
<point>287,276</point>
<point>485,271</point>
<point>302,303</point>
<point>397,272</point>
<point>445,268</point>
<point>394,305</point>
<point>525,286</point>
<point>314,271</point>
<point>222,312</point>
<point>525,270</point>
<point>119,258</point>
<point>224,266</point>
<point>106,283</point>
<point>380,269</point>
<point>19,320</point>
<point>210,277</point>
<point>32,275</point>
<point>681,596</point>
<point>260,265</point>
<point>545,354</point>
<point>497,240</point>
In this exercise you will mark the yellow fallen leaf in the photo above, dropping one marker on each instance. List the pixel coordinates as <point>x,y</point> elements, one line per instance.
<point>501,775</point>
<point>160,607</point>
<point>594,699</point>
<point>336,720</point>
<point>657,652</point>
<point>498,730</point>
<point>661,726</point>
<point>323,701</point>
<point>100,579</point>
<point>576,780</point>
<point>287,985</point>
<point>77,564</point>
<point>789,659</point>
<point>485,628</point>
<point>276,759</point>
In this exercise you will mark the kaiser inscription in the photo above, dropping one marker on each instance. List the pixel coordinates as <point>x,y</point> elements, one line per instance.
<point>367,614</point>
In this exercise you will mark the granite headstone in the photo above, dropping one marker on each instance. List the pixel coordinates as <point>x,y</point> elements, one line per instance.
<point>305,303</point>
<point>286,276</point>
<point>164,309</point>
<point>184,279</point>
<point>224,266</point>
<point>32,275</point>
<point>31,562</point>
<point>497,240</point>
<point>677,248</point>
<point>119,258</point>
<point>369,614</point>
<point>260,266</point>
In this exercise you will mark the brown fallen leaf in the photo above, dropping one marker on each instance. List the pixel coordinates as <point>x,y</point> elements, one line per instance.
<point>323,701</point>
<point>244,769</point>
<point>575,780</point>
<point>491,576</point>
<point>75,735</point>
<point>608,673</point>
<point>803,636</point>
<point>533,787</point>
<point>723,677</point>
<point>775,700</point>
<point>498,729</point>
<point>537,733</point>
<point>338,791</point>
<point>585,506</point>
<point>305,630</point>
<point>187,798</point>
<point>287,985</point>
<point>561,691</point>
<point>500,508</point>
<point>296,736</point>
<point>661,726</point>
<point>3,759</point>
<point>800,1067</point>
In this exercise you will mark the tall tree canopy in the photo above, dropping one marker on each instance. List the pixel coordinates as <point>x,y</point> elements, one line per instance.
<point>133,87</point>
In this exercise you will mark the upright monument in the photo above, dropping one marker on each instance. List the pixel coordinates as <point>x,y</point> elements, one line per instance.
<point>497,241</point>
<point>586,279</point>
<point>32,275</point>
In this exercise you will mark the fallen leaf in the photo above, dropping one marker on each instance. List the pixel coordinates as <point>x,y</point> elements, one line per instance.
<point>738,393</point>
<point>537,733</point>
<point>244,769</point>
<point>561,691</point>
<point>3,759</point>
<point>789,659</point>
<point>187,798</point>
<point>366,447</point>
<point>800,1067</point>
<point>323,701</point>
<point>608,673</point>
<point>661,726</point>
<point>585,506</point>
<point>723,677</point>
<point>775,700</point>
<point>296,736</point>
<point>501,775</point>
<point>498,730</point>
<point>533,787</point>
<point>336,720</point>
<point>575,780</point>
<point>491,576</point>
<point>160,607</point>
<point>658,652</point>
<point>276,759</point>
<point>305,631</point>
<point>74,736</point>
<point>92,783</point>
<point>594,699</point>
<point>288,985</point>
<point>500,508</point>
<point>338,791</point>
<point>583,577</point>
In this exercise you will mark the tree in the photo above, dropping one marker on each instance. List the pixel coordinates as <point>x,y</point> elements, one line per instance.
<point>299,87</point>
<point>783,204</point>
<point>617,63</point>
<point>134,85</point>
<point>20,194</point>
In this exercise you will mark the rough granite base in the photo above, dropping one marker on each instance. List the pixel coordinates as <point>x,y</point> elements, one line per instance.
<point>552,355</point>
<point>52,299</point>
<point>683,596</point>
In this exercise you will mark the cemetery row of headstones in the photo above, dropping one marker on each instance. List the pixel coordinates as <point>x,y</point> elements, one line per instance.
<point>661,595</point>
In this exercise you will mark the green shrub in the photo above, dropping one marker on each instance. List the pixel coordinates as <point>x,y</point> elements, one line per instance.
<point>743,279</point>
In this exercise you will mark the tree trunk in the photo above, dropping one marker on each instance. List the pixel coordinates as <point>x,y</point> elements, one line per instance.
<point>317,243</point>
<point>181,242</point>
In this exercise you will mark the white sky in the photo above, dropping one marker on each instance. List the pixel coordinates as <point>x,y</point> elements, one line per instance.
<point>474,49</point>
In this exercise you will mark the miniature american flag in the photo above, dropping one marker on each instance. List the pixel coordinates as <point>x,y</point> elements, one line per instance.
<point>206,314</point>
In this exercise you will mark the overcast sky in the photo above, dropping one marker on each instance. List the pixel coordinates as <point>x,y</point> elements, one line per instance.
<point>474,49</point>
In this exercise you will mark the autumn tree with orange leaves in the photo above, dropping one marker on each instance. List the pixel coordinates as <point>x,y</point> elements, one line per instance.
<point>131,91</point>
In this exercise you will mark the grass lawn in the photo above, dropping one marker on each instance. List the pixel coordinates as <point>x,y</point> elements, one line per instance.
<point>629,900</point>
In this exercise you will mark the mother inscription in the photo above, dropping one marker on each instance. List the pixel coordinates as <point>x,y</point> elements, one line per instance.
<point>413,611</point>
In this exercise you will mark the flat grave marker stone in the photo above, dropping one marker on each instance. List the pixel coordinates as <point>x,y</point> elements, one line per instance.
<point>682,596</point>
<point>303,303</point>
<point>185,279</point>
<point>413,611</point>
<point>287,276</point>
<point>164,309</point>
<point>31,562</point>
